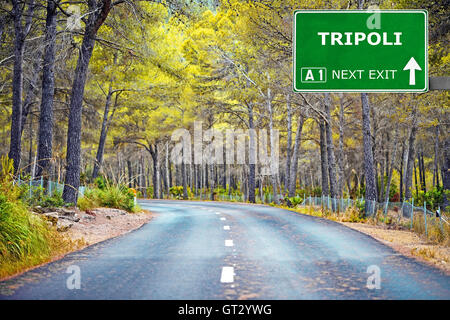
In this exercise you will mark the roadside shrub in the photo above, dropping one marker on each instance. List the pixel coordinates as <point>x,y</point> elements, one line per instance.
<point>25,238</point>
<point>150,191</point>
<point>176,191</point>
<point>295,201</point>
<point>395,197</point>
<point>221,191</point>
<point>360,205</point>
<point>100,182</point>
<point>353,215</point>
<point>111,196</point>
<point>39,197</point>
<point>438,232</point>
<point>54,200</point>
<point>89,200</point>
<point>432,197</point>
<point>21,233</point>
<point>117,197</point>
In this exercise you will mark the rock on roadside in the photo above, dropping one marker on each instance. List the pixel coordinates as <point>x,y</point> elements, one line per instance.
<point>66,218</point>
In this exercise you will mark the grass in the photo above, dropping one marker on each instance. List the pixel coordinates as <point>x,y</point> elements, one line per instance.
<point>438,232</point>
<point>26,240</point>
<point>110,196</point>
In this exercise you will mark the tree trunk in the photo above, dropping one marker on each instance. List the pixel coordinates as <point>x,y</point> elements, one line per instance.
<point>273,172</point>
<point>341,150</point>
<point>293,173</point>
<point>411,156</point>
<point>381,193</point>
<point>391,167</point>
<point>99,11</point>
<point>20,33</point>
<point>211,181</point>
<point>330,148</point>
<point>48,90</point>
<point>156,183</point>
<point>30,150</point>
<point>386,154</point>
<point>369,170</point>
<point>130,174</point>
<point>183,178</point>
<point>252,156</point>
<point>224,171</point>
<point>103,133</point>
<point>436,156</point>
<point>415,178</point>
<point>167,169</point>
<point>402,160</point>
<point>31,90</point>
<point>446,174</point>
<point>289,145</point>
<point>323,158</point>
<point>424,183</point>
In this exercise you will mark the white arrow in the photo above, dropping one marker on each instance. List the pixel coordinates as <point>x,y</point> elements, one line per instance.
<point>412,66</point>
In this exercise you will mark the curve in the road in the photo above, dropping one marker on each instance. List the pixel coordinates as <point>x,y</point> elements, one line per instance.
<point>217,250</point>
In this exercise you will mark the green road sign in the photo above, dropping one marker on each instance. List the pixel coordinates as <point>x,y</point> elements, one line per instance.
<point>360,51</point>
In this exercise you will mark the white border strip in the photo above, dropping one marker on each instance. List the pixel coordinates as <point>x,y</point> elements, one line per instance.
<point>425,13</point>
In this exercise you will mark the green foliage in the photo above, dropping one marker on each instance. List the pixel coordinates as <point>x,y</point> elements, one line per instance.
<point>25,238</point>
<point>150,191</point>
<point>221,191</point>
<point>295,201</point>
<point>111,196</point>
<point>100,182</point>
<point>316,192</point>
<point>313,192</point>
<point>84,178</point>
<point>89,200</point>
<point>236,192</point>
<point>354,215</point>
<point>432,197</point>
<point>360,205</point>
<point>7,172</point>
<point>21,233</point>
<point>393,191</point>
<point>39,197</point>
<point>176,191</point>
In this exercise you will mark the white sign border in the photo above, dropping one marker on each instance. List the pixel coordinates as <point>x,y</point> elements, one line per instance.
<point>423,11</point>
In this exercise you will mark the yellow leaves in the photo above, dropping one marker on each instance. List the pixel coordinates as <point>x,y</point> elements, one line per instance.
<point>446,59</point>
<point>352,143</point>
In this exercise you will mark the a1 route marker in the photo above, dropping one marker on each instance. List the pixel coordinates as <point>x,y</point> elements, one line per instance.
<point>360,51</point>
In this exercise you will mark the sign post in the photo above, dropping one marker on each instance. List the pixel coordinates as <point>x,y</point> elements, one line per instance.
<point>360,51</point>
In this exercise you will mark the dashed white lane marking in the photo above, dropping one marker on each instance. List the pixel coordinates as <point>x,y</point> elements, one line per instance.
<point>227,275</point>
<point>217,212</point>
<point>226,227</point>
<point>223,219</point>
<point>229,243</point>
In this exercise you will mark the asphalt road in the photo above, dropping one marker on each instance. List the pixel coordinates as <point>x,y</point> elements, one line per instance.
<point>213,250</point>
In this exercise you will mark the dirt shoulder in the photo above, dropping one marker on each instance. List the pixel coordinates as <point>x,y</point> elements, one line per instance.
<point>104,223</point>
<point>407,243</point>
